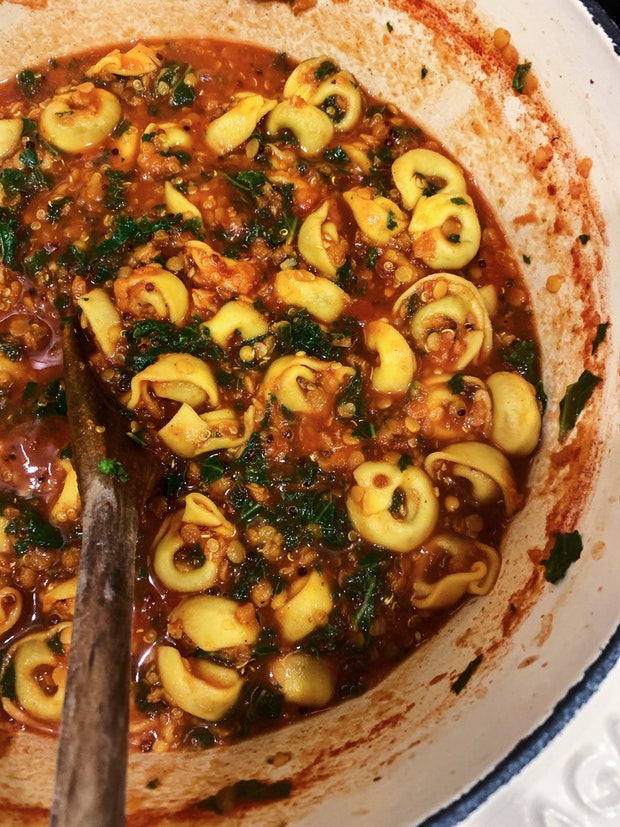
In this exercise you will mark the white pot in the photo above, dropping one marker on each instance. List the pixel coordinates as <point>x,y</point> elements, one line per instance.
<point>409,747</point>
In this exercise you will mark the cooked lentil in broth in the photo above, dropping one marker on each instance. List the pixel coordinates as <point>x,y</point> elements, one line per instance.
<point>310,315</point>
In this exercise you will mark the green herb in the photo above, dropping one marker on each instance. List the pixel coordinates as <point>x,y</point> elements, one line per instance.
<point>456,384</point>
<point>297,331</point>
<point>54,208</point>
<point>113,468</point>
<point>30,528</point>
<point>323,639</point>
<point>337,155</point>
<point>51,401</point>
<point>173,483</point>
<point>454,238</point>
<point>566,550</point>
<point>325,68</point>
<point>404,462</point>
<point>153,784</point>
<point>9,226</point>
<point>172,81</point>
<point>601,333</point>
<point>520,75</point>
<point>7,684</point>
<point>521,355</point>
<point>56,645</point>
<point>371,257</point>
<point>527,259</point>
<point>253,463</point>
<point>264,704</point>
<point>148,339</point>
<point>389,27</point>
<point>211,469</point>
<point>265,645</point>
<point>201,737</point>
<point>575,399</point>
<point>391,222</point>
<point>461,682</point>
<point>118,181</point>
<point>251,181</point>
<point>584,238</point>
<point>423,72</point>
<point>245,792</point>
<point>29,82</point>
<point>458,200</point>
<point>251,572</point>
<point>362,588</point>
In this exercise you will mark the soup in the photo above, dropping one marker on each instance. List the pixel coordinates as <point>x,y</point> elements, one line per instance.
<point>311,317</point>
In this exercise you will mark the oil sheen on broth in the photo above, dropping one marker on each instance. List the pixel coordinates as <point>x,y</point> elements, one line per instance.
<point>308,312</point>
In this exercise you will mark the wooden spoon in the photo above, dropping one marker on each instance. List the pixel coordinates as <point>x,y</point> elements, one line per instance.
<point>92,750</point>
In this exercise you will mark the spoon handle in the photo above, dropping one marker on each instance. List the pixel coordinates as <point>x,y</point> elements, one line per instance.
<point>92,748</point>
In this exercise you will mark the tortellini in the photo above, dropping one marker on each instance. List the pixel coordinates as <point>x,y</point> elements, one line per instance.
<point>200,687</point>
<point>312,128</point>
<point>152,292</point>
<point>303,384</point>
<point>197,569</point>
<point>10,135</point>
<point>101,315</point>
<point>239,121</point>
<point>516,414</point>
<point>11,604</point>
<point>80,118</point>
<point>319,296</point>
<point>212,622</point>
<point>378,217</point>
<point>397,365</point>
<point>189,434</point>
<point>486,469</point>
<point>424,172</point>
<point>303,607</point>
<point>39,661</point>
<point>320,243</point>
<point>319,82</point>
<point>303,679</point>
<point>392,508</point>
<point>467,567</point>
<point>447,319</point>
<point>178,204</point>
<point>137,61</point>
<point>176,376</point>
<point>236,317</point>
<point>445,230</point>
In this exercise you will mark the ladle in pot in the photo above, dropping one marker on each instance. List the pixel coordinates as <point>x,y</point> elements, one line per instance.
<point>92,749</point>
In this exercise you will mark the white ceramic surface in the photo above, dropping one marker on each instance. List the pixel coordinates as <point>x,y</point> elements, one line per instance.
<point>398,755</point>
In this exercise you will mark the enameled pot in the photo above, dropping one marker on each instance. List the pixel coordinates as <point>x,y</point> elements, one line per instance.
<point>400,753</point>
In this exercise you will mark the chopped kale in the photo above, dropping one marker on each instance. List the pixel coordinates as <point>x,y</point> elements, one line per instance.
<point>520,76</point>
<point>325,69</point>
<point>263,704</point>
<point>250,574</point>
<point>252,462</point>
<point>463,679</point>
<point>117,183</point>
<point>10,347</point>
<point>211,469</point>
<point>50,400</point>
<point>566,550</point>
<point>601,333</point>
<point>337,155</point>
<point>363,587</point>
<point>148,339</point>
<point>251,181</point>
<point>25,181</point>
<point>7,684</point>
<point>456,384</point>
<point>172,83</point>
<point>296,331</point>
<point>9,227</point>
<point>54,208</point>
<point>521,355</point>
<point>113,468</point>
<point>30,528</point>
<point>575,400</point>
<point>29,81</point>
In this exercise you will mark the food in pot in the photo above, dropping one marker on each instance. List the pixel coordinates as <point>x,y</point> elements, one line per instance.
<point>310,315</point>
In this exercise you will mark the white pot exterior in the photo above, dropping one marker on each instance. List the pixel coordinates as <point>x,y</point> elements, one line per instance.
<point>407,748</point>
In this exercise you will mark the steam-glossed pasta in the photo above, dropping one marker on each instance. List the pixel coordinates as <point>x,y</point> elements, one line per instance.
<point>310,315</point>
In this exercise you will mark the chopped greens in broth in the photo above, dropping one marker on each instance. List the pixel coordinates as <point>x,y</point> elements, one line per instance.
<point>309,314</point>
